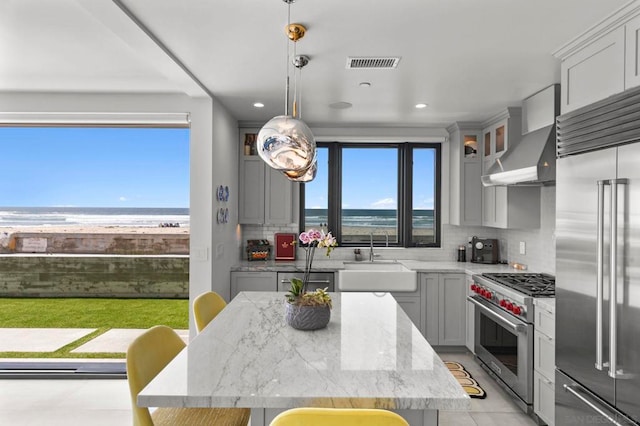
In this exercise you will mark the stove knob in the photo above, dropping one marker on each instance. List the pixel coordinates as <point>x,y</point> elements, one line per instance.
<point>509,306</point>
<point>489,295</point>
<point>485,293</point>
<point>516,310</point>
<point>503,303</point>
<point>473,287</point>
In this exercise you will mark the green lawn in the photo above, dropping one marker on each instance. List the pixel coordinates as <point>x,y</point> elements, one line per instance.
<point>102,314</point>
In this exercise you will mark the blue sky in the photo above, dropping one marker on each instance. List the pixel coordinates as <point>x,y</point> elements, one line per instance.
<point>94,167</point>
<point>370,179</point>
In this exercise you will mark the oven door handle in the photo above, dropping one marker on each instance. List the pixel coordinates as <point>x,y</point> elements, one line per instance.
<point>516,328</point>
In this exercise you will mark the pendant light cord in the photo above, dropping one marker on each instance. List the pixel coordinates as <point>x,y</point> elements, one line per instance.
<point>286,90</point>
<point>295,82</point>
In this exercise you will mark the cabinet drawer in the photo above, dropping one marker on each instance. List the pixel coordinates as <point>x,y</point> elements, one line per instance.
<point>544,358</point>
<point>544,398</point>
<point>252,281</point>
<point>316,280</point>
<point>545,322</point>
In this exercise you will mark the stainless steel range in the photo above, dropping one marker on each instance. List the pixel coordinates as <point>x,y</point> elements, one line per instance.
<point>504,315</point>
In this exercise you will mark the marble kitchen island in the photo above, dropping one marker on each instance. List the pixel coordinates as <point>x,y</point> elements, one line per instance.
<point>369,356</point>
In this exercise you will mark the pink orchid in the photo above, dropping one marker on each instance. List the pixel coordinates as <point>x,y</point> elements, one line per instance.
<point>310,240</point>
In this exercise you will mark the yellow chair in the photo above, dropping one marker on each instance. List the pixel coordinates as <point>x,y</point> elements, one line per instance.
<point>206,307</point>
<point>338,417</point>
<point>147,355</point>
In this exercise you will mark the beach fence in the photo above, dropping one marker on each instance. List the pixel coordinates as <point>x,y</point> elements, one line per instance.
<point>95,265</point>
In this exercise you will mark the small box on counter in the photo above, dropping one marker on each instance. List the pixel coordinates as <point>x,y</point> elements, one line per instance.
<point>285,246</point>
<point>258,249</point>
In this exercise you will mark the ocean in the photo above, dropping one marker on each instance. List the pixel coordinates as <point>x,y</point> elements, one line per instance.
<point>370,218</point>
<point>92,216</point>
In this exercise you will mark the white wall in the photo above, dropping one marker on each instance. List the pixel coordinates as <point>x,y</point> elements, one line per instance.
<point>214,161</point>
<point>540,243</point>
<point>224,172</point>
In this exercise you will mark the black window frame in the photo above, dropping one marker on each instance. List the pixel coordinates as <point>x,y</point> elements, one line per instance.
<point>405,191</point>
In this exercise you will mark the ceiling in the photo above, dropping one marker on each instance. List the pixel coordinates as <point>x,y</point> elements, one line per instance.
<point>467,59</point>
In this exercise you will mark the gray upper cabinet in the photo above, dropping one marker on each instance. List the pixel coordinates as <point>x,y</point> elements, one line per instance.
<point>265,195</point>
<point>251,194</point>
<point>465,170</point>
<point>602,61</point>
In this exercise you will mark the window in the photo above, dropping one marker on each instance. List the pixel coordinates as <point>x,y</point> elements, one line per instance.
<point>388,193</point>
<point>73,176</point>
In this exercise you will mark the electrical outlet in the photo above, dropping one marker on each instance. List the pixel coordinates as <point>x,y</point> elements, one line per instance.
<point>523,247</point>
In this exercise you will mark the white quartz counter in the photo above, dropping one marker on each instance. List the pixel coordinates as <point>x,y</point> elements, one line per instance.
<point>546,303</point>
<point>370,355</point>
<point>335,265</point>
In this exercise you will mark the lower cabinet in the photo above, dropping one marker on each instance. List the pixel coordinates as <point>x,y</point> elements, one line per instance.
<point>446,312</point>
<point>544,398</point>
<point>253,281</point>
<point>411,304</point>
<point>544,365</point>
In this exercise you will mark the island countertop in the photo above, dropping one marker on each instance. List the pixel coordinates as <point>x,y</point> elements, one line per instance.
<point>370,355</point>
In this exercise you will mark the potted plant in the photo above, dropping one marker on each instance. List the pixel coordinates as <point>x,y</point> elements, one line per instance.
<point>309,310</point>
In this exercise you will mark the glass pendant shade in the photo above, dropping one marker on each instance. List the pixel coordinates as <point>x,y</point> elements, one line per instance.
<point>303,176</point>
<point>286,143</point>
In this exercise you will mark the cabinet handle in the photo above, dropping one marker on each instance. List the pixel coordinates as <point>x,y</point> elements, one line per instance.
<point>310,282</point>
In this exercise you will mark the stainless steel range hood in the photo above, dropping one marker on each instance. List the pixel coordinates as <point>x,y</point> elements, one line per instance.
<point>532,160</point>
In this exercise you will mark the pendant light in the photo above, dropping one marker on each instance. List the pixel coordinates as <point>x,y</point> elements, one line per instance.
<point>308,174</point>
<point>285,142</point>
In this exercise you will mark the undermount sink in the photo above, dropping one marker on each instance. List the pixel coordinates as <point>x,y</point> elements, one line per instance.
<point>377,276</point>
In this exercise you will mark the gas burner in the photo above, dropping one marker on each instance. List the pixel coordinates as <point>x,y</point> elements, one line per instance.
<point>537,285</point>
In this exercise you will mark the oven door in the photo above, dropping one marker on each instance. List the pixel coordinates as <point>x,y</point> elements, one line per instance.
<point>505,344</point>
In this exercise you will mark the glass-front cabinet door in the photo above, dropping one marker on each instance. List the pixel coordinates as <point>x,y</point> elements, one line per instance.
<point>500,139</point>
<point>487,143</point>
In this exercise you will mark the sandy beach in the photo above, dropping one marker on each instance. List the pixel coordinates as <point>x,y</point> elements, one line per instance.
<point>84,229</point>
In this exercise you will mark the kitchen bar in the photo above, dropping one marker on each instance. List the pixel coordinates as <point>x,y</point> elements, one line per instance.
<point>370,355</point>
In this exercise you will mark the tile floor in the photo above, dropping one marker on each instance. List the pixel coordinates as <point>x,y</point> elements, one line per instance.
<point>106,402</point>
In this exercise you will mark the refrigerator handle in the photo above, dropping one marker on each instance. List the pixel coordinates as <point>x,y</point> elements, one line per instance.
<point>600,277</point>
<point>613,272</point>
<point>576,391</point>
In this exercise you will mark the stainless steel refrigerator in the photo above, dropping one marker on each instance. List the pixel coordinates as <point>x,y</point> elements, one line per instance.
<point>598,264</point>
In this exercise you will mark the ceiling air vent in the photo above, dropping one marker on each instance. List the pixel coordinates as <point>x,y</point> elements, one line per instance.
<point>376,63</point>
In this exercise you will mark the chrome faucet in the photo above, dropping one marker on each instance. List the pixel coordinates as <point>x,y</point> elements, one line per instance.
<point>371,247</point>
<point>386,234</point>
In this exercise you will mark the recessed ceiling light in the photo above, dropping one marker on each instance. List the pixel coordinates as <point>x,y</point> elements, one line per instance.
<point>340,105</point>
<point>258,105</point>
<point>421,106</point>
<point>365,84</point>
